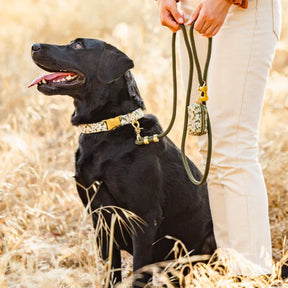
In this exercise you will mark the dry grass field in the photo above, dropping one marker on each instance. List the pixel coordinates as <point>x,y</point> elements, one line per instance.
<point>46,238</point>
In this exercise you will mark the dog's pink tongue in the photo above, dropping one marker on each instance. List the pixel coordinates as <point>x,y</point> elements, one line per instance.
<point>51,77</point>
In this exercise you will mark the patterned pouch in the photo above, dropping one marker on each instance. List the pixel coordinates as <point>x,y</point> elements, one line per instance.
<point>197,121</point>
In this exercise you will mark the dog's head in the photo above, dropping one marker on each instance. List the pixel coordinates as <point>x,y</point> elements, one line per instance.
<point>93,72</point>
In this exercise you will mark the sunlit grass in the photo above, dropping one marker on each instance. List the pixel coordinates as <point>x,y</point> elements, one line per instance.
<point>46,238</point>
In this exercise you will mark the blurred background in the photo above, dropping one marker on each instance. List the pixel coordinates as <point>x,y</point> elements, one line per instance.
<point>45,237</point>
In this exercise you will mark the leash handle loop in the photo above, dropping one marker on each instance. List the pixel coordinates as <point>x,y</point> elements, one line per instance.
<point>203,89</point>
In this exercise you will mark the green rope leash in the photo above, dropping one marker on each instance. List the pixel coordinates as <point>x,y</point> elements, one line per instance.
<point>202,80</point>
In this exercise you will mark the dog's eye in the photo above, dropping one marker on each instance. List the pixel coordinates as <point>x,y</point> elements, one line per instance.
<point>77,45</point>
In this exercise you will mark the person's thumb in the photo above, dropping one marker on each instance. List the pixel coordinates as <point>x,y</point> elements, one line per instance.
<point>179,18</point>
<point>195,14</point>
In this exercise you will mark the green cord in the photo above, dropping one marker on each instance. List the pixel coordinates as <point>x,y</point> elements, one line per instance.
<point>150,139</point>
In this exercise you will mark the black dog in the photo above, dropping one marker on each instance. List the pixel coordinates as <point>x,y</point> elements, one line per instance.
<point>148,180</point>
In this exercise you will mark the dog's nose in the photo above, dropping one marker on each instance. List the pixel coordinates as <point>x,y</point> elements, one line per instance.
<point>36,47</point>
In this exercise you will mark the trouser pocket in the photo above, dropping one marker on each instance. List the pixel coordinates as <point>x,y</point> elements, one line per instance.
<point>276,17</point>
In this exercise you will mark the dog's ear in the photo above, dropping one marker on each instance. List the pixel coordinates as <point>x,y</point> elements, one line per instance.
<point>133,90</point>
<point>113,64</point>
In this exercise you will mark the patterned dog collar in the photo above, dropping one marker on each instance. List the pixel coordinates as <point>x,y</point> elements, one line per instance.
<point>112,123</point>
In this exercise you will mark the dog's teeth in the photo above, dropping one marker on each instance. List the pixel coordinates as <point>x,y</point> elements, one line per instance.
<point>63,80</point>
<point>44,81</point>
<point>69,77</point>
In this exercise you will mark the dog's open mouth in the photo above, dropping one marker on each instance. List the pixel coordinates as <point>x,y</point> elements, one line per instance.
<point>58,79</point>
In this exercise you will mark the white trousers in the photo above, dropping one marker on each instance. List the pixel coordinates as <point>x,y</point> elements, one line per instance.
<point>241,58</point>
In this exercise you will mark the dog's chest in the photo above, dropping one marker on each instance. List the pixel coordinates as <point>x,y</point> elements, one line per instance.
<point>98,160</point>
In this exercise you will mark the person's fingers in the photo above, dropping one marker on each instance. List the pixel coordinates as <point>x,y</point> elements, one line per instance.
<point>205,27</point>
<point>212,31</point>
<point>170,16</point>
<point>209,16</point>
<point>168,20</point>
<point>202,26</point>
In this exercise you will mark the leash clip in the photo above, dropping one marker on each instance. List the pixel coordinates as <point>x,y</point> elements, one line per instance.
<point>143,140</point>
<point>137,128</point>
<point>203,97</point>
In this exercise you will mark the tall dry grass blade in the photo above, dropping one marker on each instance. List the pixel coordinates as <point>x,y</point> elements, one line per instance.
<point>111,243</point>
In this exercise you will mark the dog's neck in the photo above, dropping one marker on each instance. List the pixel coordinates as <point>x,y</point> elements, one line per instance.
<point>83,114</point>
<point>108,101</point>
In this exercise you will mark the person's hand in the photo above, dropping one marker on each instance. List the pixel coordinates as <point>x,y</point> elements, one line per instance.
<point>169,14</point>
<point>210,16</point>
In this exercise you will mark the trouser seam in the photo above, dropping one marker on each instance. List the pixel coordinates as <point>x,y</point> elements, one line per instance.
<point>246,193</point>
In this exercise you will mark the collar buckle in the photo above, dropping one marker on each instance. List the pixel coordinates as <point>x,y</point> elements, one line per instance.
<point>113,123</point>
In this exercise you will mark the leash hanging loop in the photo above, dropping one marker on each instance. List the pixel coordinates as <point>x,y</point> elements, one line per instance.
<point>155,138</point>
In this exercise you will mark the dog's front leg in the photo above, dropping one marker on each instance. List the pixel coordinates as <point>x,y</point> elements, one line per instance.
<point>142,255</point>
